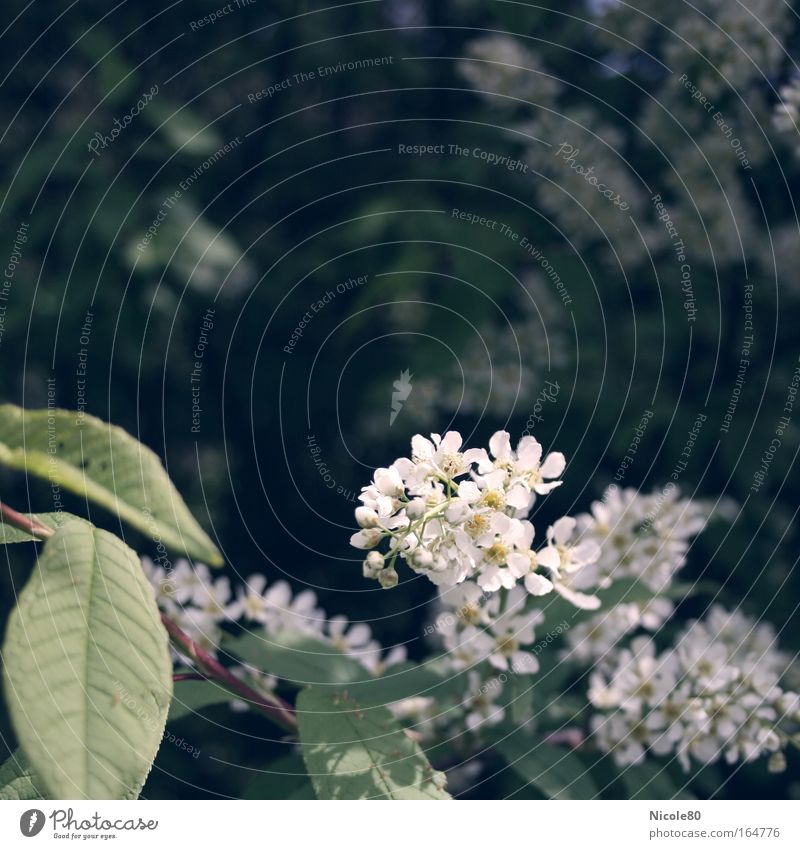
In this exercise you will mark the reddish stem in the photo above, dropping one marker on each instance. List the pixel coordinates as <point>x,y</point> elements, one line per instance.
<point>25,523</point>
<point>276,709</point>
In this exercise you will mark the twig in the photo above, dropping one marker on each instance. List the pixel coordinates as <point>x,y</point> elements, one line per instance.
<point>24,523</point>
<point>273,707</point>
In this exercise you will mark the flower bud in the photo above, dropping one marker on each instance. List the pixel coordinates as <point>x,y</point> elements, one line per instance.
<point>367,538</point>
<point>373,564</point>
<point>388,579</point>
<point>777,762</point>
<point>439,564</point>
<point>423,559</point>
<point>366,517</point>
<point>415,508</point>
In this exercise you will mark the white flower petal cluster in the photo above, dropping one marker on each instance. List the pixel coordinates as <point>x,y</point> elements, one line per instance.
<point>722,44</point>
<point>476,627</point>
<point>200,606</point>
<point>716,693</point>
<point>455,514</point>
<point>642,536</point>
<point>593,640</point>
<point>501,67</point>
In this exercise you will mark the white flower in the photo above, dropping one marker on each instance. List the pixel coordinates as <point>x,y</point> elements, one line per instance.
<point>699,699</point>
<point>346,637</point>
<point>455,515</point>
<point>251,604</point>
<point>442,456</point>
<point>505,552</point>
<point>564,559</point>
<point>523,466</point>
<point>496,629</point>
<point>592,640</point>
<point>512,630</point>
<point>479,703</point>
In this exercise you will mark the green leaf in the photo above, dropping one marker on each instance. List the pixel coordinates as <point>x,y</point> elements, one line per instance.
<point>17,780</point>
<point>285,778</point>
<point>623,591</point>
<point>431,679</point>
<point>651,780</point>
<point>296,658</point>
<point>558,772</point>
<point>9,534</point>
<point>361,753</point>
<point>88,676</point>
<point>104,464</point>
<point>189,697</point>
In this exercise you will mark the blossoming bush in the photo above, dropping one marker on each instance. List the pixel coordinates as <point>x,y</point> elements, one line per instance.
<point>517,624</point>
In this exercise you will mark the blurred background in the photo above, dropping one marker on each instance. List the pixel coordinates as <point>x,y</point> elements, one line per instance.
<point>275,240</point>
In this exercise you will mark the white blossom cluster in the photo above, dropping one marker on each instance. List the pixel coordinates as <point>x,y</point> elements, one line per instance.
<point>724,43</point>
<point>455,515</point>
<point>201,605</point>
<point>501,67</point>
<point>715,693</point>
<point>592,640</point>
<point>640,536</point>
<point>496,627</point>
<point>723,53</point>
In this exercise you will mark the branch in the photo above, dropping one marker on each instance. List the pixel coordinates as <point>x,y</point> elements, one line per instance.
<point>24,523</point>
<point>273,707</point>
